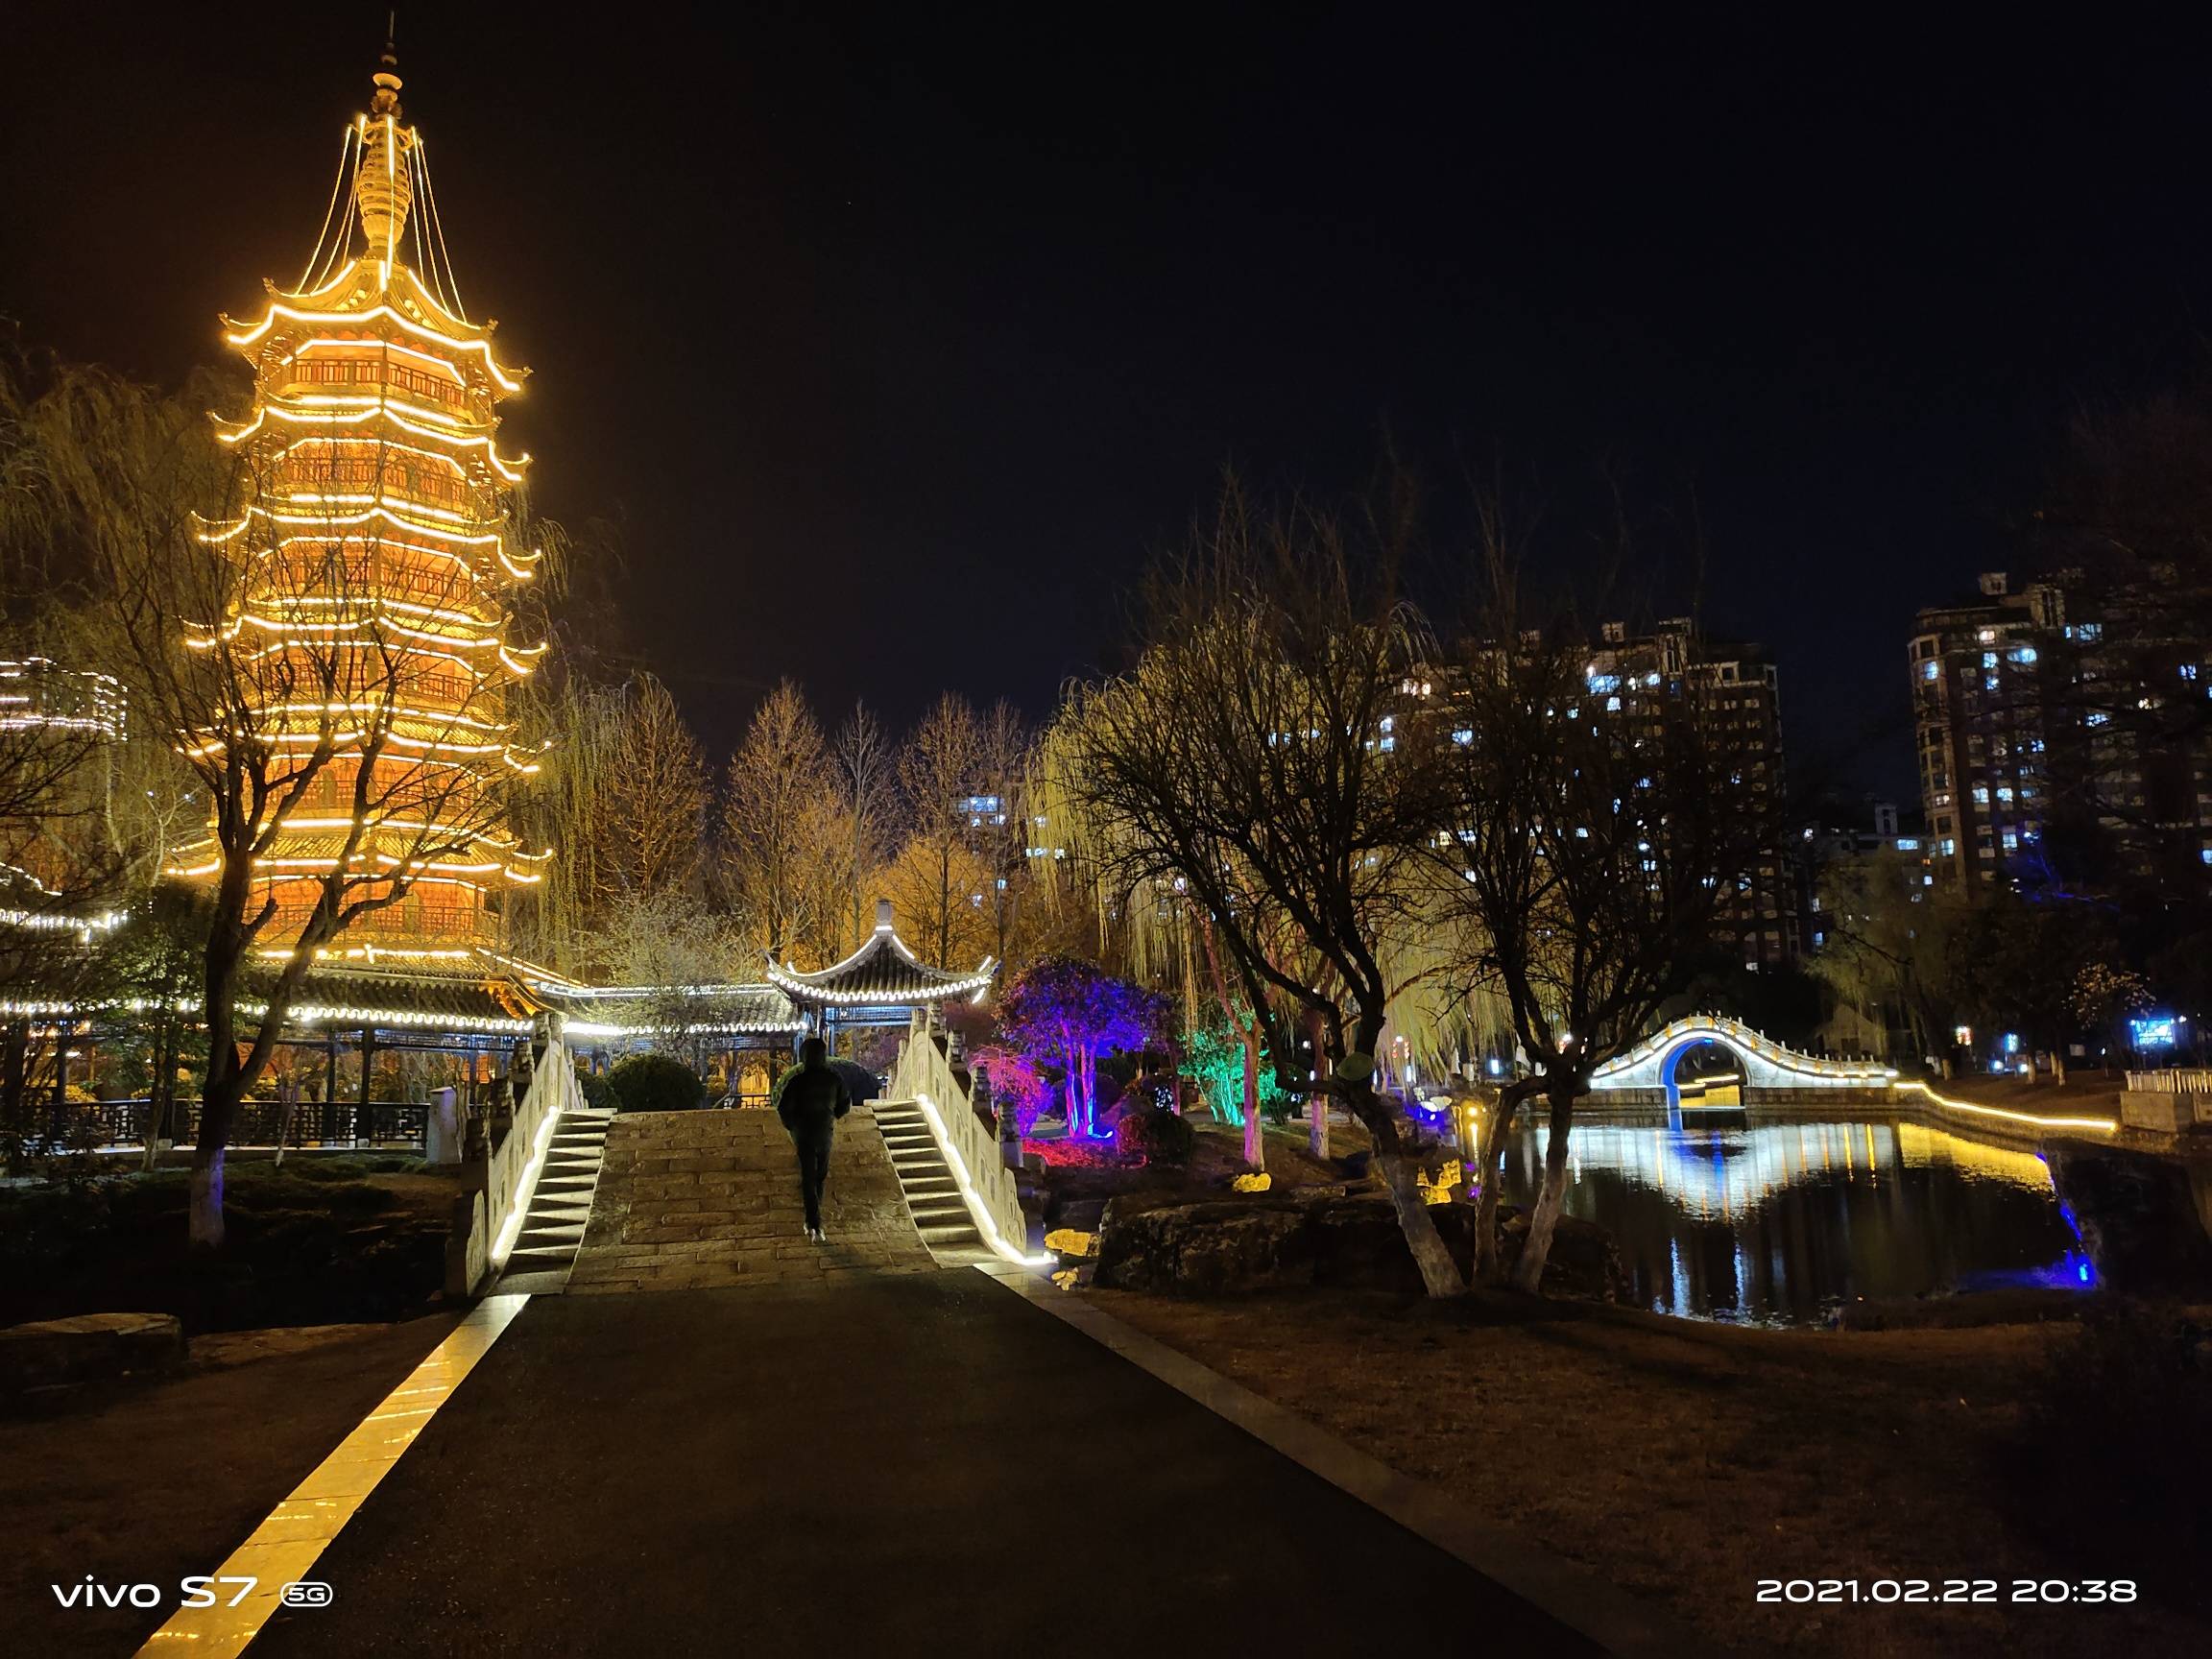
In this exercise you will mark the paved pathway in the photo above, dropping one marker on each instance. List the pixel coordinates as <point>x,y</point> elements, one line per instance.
<point>918,1464</point>
<point>825,1451</point>
<point>694,1200</point>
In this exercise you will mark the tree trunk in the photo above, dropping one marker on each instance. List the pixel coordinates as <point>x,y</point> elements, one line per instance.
<point>2057,1065</point>
<point>1439,1273</point>
<point>1317,1101</point>
<point>1255,1143</point>
<point>1490,1158</point>
<point>206,1223</point>
<point>1528,1271</point>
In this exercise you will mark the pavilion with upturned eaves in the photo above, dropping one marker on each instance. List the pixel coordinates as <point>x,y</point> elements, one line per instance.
<point>881,984</point>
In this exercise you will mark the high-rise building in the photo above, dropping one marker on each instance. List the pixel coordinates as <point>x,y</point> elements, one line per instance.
<point>374,534</point>
<point>1978,717</point>
<point>1733,691</point>
<point>2044,756</point>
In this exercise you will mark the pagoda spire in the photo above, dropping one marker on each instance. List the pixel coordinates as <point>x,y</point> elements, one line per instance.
<point>384,187</point>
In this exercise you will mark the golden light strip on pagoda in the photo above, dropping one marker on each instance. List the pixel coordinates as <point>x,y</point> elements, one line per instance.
<point>378,526</point>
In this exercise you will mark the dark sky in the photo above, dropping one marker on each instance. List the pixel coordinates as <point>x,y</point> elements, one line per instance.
<point>897,341</point>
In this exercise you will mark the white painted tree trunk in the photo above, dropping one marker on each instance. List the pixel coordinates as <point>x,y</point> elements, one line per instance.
<point>1255,1139</point>
<point>206,1214</point>
<point>1544,1221</point>
<point>1439,1273</point>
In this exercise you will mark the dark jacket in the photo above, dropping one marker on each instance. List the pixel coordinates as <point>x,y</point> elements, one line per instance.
<point>810,1094</point>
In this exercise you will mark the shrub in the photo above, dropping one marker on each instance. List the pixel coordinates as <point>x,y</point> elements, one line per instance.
<point>1151,1135</point>
<point>655,1083</point>
<point>597,1093</point>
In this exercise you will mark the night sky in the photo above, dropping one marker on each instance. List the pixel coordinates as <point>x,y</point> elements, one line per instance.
<point>896,342</point>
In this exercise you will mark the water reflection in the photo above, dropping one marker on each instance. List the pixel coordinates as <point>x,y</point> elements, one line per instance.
<point>1762,1215</point>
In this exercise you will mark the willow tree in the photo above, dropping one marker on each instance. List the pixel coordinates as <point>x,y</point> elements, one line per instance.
<point>1252,760</point>
<point>338,762</point>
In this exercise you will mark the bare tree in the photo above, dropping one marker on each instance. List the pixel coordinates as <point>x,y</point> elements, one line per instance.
<point>661,795</point>
<point>786,847</point>
<point>867,773</point>
<point>939,877</point>
<point>1251,761</point>
<point>1594,838</point>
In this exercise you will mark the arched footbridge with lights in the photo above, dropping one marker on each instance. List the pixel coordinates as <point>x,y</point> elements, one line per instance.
<point>1649,1072</point>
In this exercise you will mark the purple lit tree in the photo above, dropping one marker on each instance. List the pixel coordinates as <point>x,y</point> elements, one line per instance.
<point>1064,1013</point>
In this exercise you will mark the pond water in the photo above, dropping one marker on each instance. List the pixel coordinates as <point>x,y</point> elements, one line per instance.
<point>1776,1217</point>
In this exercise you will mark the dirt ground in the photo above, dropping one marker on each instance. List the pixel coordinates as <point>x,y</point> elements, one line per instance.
<point>1688,1461</point>
<point>146,1483</point>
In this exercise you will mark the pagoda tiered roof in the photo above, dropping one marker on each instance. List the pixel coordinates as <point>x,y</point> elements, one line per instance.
<point>884,972</point>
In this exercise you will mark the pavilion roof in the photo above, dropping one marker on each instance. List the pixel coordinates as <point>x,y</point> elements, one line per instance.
<point>883,972</point>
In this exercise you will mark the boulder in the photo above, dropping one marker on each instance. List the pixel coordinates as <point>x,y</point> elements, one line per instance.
<point>2138,1218</point>
<point>1585,1263</point>
<point>1267,1240</point>
<point>91,1347</point>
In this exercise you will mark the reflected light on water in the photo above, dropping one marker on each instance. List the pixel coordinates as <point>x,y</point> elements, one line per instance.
<point>1776,1217</point>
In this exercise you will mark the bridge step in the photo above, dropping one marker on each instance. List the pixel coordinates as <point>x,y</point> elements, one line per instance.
<point>560,1210</point>
<point>932,1196</point>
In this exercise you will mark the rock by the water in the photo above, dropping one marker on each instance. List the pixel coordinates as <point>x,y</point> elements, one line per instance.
<point>54,1352</point>
<point>2138,1218</point>
<point>1267,1240</point>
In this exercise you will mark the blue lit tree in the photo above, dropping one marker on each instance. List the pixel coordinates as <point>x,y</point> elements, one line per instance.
<point>1063,1013</point>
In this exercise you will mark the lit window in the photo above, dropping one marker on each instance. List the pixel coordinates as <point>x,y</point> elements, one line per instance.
<point>2011,842</point>
<point>1463,736</point>
<point>1612,705</point>
<point>1981,796</point>
<point>1988,636</point>
<point>1950,846</point>
<point>1605,682</point>
<point>1989,659</point>
<point>1930,669</point>
<point>1908,844</point>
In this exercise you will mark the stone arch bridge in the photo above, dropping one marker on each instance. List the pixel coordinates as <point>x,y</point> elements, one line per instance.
<point>1767,1065</point>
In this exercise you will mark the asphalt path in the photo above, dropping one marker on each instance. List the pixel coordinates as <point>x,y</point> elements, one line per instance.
<point>916,1464</point>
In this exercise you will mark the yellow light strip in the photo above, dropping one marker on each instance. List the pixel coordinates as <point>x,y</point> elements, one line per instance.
<point>2093,1125</point>
<point>284,1548</point>
<point>985,1223</point>
<point>350,319</point>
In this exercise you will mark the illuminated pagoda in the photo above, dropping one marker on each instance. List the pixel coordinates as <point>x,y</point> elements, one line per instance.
<point>377,533</point>
<point>879,984</point>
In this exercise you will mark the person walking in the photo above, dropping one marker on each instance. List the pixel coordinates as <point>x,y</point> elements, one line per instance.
<point>809,1098</point>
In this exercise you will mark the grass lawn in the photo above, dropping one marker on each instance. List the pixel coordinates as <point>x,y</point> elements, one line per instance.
<point>145,1484</point>
<point>1687,1462</point>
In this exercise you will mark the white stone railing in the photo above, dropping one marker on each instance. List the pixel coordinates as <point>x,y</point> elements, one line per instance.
<point>486,1220</point>
<point>1767,1063</point>
<point>2173,1080</point>
<point>924,1075</point>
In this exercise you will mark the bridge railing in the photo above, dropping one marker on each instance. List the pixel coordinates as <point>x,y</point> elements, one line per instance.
<point>925,1074</point>
<point>2173,1080</point>
<point>487,1217</point>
